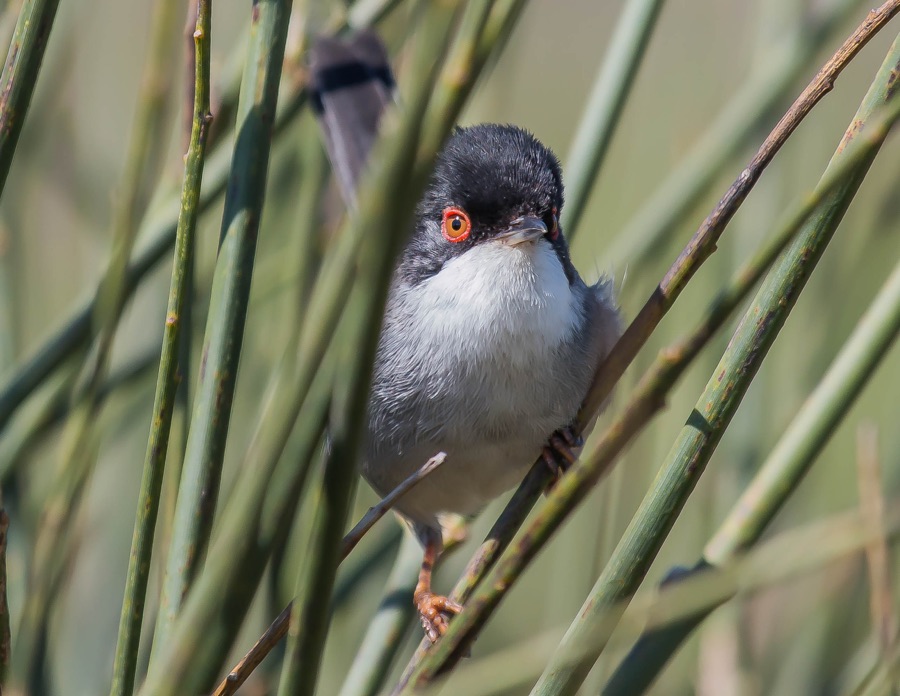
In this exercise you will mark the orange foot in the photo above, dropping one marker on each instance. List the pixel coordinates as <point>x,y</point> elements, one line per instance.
<point>434,611</point>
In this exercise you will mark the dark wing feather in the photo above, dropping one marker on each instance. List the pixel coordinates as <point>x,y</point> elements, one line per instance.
<point>352,85</point>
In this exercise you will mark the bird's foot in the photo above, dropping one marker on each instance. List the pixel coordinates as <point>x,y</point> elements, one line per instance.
<point>434,611</point>
<point>560,452</point>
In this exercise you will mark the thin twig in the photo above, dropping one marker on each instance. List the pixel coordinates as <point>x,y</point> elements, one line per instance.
<point>375,513</point>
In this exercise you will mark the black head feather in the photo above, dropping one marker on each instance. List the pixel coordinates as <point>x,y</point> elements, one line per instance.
<point>495,173</point>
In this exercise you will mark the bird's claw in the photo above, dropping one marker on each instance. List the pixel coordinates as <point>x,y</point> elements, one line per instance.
<point>559,452</point>
<point>434,611</point>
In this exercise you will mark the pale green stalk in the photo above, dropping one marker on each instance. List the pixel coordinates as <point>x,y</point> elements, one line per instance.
<point>612,86</point>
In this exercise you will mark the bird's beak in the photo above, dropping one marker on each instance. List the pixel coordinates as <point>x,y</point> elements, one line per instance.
<point>523,229</point>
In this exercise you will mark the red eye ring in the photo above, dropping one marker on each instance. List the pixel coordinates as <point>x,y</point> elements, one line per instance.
<point>553,227</point>
<point>456,225</point>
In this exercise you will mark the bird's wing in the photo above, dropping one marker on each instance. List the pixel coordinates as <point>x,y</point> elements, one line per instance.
<point>352,85</point>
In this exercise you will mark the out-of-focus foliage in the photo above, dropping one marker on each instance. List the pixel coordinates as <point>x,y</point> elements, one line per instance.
<point>804,634</point>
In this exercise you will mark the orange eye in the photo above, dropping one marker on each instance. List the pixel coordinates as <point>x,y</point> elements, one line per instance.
<point>456,225</point>
<point>551,219</point>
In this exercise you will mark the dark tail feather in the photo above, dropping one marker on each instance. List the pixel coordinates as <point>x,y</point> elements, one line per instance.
<point>352,85</point>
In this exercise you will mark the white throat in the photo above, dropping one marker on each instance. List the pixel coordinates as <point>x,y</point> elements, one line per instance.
<point>515,299</point>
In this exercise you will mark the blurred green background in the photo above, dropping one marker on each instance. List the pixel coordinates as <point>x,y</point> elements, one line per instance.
<point>54,241</point>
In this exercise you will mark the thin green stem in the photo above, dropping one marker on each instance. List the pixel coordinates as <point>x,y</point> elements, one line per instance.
<point>811,428</point>
<point>611,88</point>
<point>168,378</point>
<point>20,74</point>
<point>201,473</point>
<point>389,624</point>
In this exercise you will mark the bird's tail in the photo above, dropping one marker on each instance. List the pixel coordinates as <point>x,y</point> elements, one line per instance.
<point>352,85</point>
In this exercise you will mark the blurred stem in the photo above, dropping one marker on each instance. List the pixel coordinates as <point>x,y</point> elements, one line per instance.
<point>77,331</point>
<point>78,449</point>
<point>20,73</point>
<point>386,629</point>
<point>305,259</point>
<point>202,468</point>
<point>168,378</point>
<point>55,404</point>
<point>697,441</point>
<point>871,503</point>
<point>5,643</point>
<point>604,107</point>
<point>758,96</point>
<point>647,399</point>
<point>390,193</point>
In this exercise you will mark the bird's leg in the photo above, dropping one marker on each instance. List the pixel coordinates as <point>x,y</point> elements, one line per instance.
<point>432,608</point>
<point>559,452</point>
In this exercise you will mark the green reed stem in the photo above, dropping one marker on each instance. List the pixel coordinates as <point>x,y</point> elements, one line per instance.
<point>20,74</point>
<point>245,194</point>
<point>611,88</point>
<point>168,378</point>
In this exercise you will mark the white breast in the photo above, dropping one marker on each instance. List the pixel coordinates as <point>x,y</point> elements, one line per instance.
<point>478,361</point>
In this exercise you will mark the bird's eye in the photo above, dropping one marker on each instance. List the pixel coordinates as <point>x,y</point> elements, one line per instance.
<point>551,219</point>
<point>456,225</point>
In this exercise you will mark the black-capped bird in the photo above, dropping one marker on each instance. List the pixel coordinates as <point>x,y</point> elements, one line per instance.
<point>490,336</point>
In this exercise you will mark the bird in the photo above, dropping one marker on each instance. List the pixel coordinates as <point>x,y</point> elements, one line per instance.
<point>490,337</point>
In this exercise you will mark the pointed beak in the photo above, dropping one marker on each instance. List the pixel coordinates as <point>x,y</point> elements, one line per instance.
<point>523,229</point>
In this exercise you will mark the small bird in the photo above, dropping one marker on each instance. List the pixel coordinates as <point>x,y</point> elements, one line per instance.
<point>490,337</point>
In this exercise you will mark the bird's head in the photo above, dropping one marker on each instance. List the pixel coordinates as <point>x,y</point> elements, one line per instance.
<point>491,184</point>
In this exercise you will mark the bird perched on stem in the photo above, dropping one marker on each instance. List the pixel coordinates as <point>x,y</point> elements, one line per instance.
<point>490,337</point>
